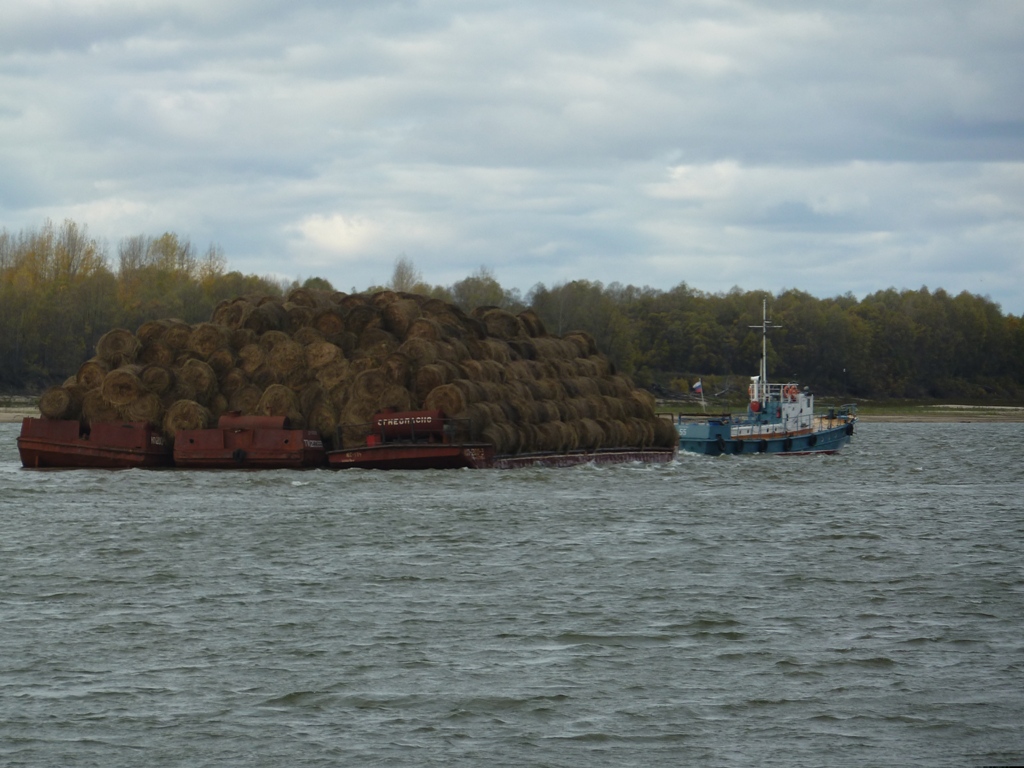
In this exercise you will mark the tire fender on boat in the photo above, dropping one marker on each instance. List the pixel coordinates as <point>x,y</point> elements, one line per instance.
<point>720,442</point>
<point>812,440</point>
<point>238,455</point>
<point>787,444</point>
<point>762,446</point>
<point>849,429</point>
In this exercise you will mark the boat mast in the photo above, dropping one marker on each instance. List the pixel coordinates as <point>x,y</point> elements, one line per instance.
<point>764,326</point>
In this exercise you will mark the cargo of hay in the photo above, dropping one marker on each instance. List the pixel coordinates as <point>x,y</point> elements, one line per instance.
<point>279,400</point>
<point>200,379</point>
<point>321,353</point>
<point>63,402</point>
<point>96,409</point>
<point>185,414</point>
<point>286,358</point>
<point>329,321</point>
<point>91,373</point>
<point>399,315</point>
<point>447,398</point>
<point>122,385</point>
<point>245,399</point>
<point>118,347</point>
<point>332,374</point>
<point>177,335</point>
<point>296,316</point>
<point>157,378</point>
<point>146,407</point>
<point>207,338</point>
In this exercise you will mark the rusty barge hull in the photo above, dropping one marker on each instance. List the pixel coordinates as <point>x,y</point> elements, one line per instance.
<point>249,442</point>
<point>52,444</point>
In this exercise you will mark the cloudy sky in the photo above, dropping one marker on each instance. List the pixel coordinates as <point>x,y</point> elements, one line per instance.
<point>829,147</point>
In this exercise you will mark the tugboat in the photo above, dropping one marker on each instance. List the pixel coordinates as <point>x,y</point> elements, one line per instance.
<point>780,419</point>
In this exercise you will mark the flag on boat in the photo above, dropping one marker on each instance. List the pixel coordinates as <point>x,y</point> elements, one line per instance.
<point>698,387</point>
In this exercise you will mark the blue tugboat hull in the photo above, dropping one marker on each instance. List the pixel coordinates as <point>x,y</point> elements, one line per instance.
<point>714,439</point>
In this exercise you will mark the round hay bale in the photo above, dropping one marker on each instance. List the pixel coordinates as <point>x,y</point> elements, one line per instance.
<point>278,400</point>
<point>95,408</point>
<point>296,316</point>
<point>242,337</point>
<point>583,341</point>
<point>420,351</point>
<point>496,350</point>
<point>307,335</point>
<point>151,331</point>
<point>471,390</point>
<point>329,321</point>
<point>285,359</point>
<point>118,347</point>
<point>352,300</point>
<point>354,423</point>
<point>399,315</point>
<point>376,344</point>
<point>62,402</point>
<point>232,380</point>
<point>428,378</point>
<point>157,352</point>
<point>532,323</point>
<point>426,328</point>
<point>332,374</point>
<point>309,396</point>
<point>309,297</point>
<point>91,373</point>
<point>644,403</point>
<point>251,357</point>
<point>502,324</point>
<point>158,379</point>
<point>233,314</point>
<point>177,335</point>
<point>522,349</point>
<point>185,414</point>
<point>207,338</point>
<point>589,434</point>
<point>398,369</point>
<point>367,385</point>
<point>268,316</point>
<point>447,398</point>
<point>263,377</point>
<point>324,419</point>
<point>665,435</point>
<point>362,317</point>
<point>271,339</point>
<point>122,385</point>
<point>321,353</point>
<point>221,360</point>
<point>394,397</point>
<point>147,407</point>
<point>245,399</point>
<point>200,379</point>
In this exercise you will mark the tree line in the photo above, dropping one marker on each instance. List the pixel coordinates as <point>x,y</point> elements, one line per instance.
<point>60,290</point>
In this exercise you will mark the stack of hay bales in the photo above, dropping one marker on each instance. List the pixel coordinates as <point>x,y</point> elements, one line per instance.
<point>326,360</point>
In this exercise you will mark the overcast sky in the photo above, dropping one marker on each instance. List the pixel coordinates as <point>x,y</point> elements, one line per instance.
<point>829,147</point>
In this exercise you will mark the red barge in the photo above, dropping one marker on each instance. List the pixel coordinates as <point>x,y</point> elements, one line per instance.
<point>46,443</point>
<point>249,442</point>
<point>427,440</point>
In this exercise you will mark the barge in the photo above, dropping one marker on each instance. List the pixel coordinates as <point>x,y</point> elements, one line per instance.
<point>51,443</point>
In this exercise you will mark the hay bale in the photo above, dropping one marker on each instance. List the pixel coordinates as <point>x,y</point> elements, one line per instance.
<point>91,373</point>
<point>394,397</point>
<point>232,380</point>
<point>285,359</point>
<point>665,435</point>
<point>644,403</point>
<point>207,338</point>
<point>426,328</point>
<point>309,396</point>
<point>429,377</point>
<point>251,357</point>
<point>151,331</point>
<point>362,317</point>
<point>233,314</point>
<point>532,324</point>
<point>324,419</point>
<point>376,344</point>
<point>447,398</point>
<point>200,379</point>
<point>221,360</point>
<point>245,399</point>
<point>183,415</point>
<point>367,385</point>
<point>122,385</point>
<point>271,339</point>
<point>147,407</point>
<point>241,337</point>
<point>279,400</point>
<point>420,351</point>
<point>267,316</point>
<point>502,324</point>
<point>157,378</point>
<point>177,335</point>
<point>583,341</point>
<point>118,347</point>
<point>332,374</point>
<point>398,369</point>
<point>157,352</point>
<point>397,316</point>
<point>96,409</point>
<point>307,335</point>
<point>64,402</point>
<point>309,298</point>
<point>321,353</point>
<point>329,321</point>
<point>296,316</point>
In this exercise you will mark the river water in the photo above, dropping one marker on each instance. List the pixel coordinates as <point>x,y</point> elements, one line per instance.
<point>860,609</point>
